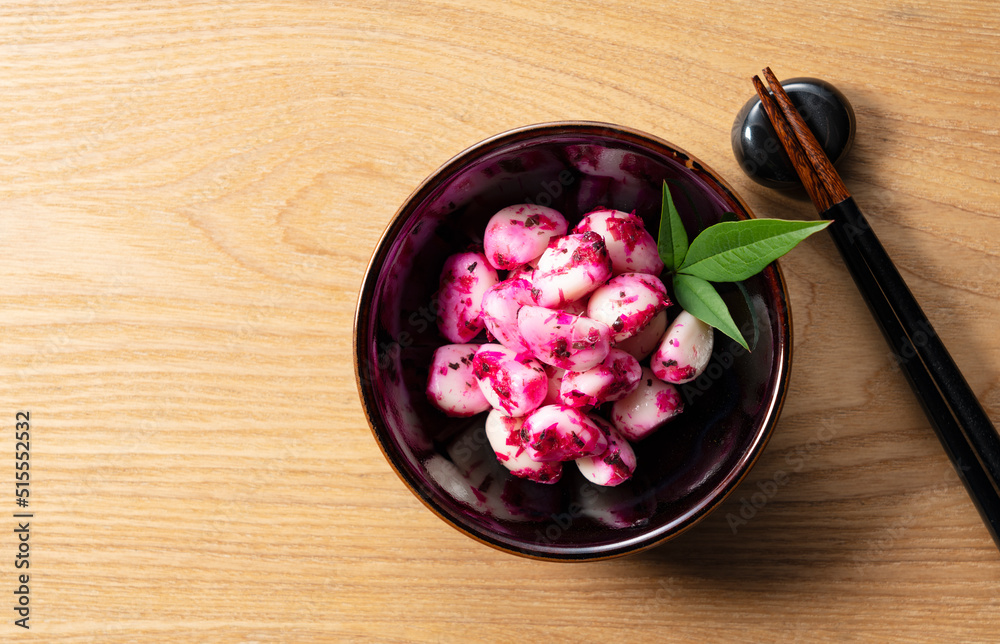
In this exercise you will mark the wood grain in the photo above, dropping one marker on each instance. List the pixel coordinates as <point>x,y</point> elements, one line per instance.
<point>190,192</point>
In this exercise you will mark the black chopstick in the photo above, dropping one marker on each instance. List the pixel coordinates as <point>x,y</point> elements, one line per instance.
<point>962,426</point>
<point>976,480</point>
<point>972,418</point>
<point>973,421</point>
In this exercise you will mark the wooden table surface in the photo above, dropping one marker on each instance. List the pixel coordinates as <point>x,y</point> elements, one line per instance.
<point>191,192</point>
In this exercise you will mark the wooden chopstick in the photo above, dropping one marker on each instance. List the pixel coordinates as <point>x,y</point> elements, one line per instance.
<point>821,165</point>
<point>972,419</point>
<point>811,181</point>
<point>961,424</point>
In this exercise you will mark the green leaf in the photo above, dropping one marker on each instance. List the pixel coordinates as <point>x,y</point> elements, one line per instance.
<point>700,299</point>
<point>673,240</point>
<point>733,251</point>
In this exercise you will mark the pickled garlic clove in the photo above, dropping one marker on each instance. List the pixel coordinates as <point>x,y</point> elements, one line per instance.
<point>513,383</point>
<point>570,267</point>
<point>685,350</point>
<point>504,434</point>
<point>464,279</point>
<point>452,386</point>
<point>523,272</point>
<point>501,302</point>
<point>643,343</point>
<point>615,464</point>
<point>575,343</point>
<point>555,375</point>
<point>646,409</point>
<point>576,307</point>
<point>630,246</point>
<point>616,377</point>
<point>519,234</point>
<point>560,433</point>
<point>628,303</point>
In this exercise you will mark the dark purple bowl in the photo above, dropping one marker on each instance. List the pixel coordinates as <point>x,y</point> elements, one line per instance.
<point>685,470</point>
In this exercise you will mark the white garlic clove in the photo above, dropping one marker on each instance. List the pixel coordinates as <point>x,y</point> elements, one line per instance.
<point>616,377</point>
<point>576,307</point>
<point>628,303</point>
<point>615,464</point>
<point>560,433</point>
<point>464,279</point>
<point>500,306</point>
<point>646,409</point>
<point>519,234</point>
<point>555,375</point>
<point>685,350</point>
<point>570,268</point>
<point>504,434</point>
<point>575,343</point>
<point>452,386</point>
<point>512,382</point>
<point>643,343</point>
<point>630,246</point>
<point>523,272</point>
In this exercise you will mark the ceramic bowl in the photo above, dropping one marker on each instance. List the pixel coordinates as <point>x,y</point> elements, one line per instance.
<point>685,470</point>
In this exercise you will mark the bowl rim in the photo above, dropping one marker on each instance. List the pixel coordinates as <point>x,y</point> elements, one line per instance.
<point>773,273</point>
